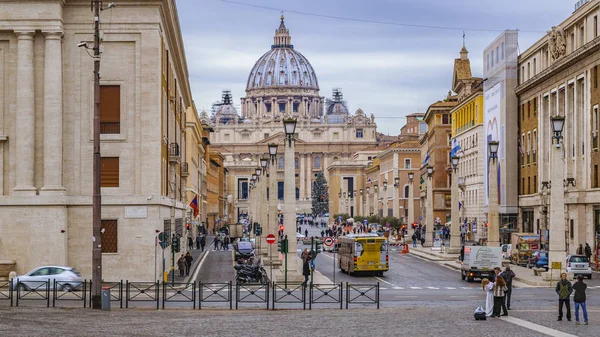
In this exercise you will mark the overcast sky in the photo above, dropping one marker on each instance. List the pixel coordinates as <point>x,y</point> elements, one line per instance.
<point>389,70</point>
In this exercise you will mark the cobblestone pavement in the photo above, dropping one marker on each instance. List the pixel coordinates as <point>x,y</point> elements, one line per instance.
<point>409,321</point>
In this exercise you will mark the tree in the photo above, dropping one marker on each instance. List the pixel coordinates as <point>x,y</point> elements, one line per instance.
<point>320,195</point>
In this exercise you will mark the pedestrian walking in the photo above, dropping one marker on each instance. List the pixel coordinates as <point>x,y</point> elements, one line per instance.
<point>588,251</point>
<point>564,288</point>
<point>306,270</point>
<point>579,299</point>
<point>304,256</point>
<point>508,275</point>
<point>499,290</point>
<point>188,263</point>
<point>488,288</point>
<point>216,242</point>
<point>306,232</point>
<point>322,233</point>
<point>226,240</point>
<point>181,265</point>
<point>414,239</point>
<point>422,242</point>
<point>198,240</point>
<point>203,242</point>
<point>580,249</point>
<point>190,242</point>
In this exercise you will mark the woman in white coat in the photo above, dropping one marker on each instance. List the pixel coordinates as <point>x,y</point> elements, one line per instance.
<point>489,296</point>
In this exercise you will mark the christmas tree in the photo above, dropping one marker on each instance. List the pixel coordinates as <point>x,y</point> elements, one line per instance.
<point>320,196</point>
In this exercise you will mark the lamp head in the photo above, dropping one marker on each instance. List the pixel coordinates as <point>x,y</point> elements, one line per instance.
<point>558,123</point>
<point>429,171</point>
<point>455,162</point>
<point>263,163</point>
<point>289,126</point>
<point>258,171</point>
<point>368,189</point>
<point>361,191</point>
<point>385,184</point>
<point>396,181</point>
<point>493,148</point>
<point>411,176</point>
<point>273,149</point>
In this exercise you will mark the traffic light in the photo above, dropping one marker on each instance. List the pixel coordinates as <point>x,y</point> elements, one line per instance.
<point>187,226</point>
<point>163,240</point>
<point>282,246</point>
<point>281,228</point>
<point>175,247</point>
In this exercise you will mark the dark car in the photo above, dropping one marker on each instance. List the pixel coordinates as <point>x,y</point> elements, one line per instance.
<point>244,250</point>
<point>539,259</point>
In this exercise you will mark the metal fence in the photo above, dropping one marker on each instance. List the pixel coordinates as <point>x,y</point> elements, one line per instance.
<point>326,294</point>
<point>179,293</point>
<point>362,294</point>
<point>116,292</point>
<point>65,291</point>
<point>252,293</point>
<point>293,293</point>
<point>6,292</point>
<point>142,292</point>
<point>33,291</point>
<point>215,293</point>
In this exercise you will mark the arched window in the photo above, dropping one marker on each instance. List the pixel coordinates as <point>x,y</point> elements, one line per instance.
<point>406,187</point>
<point>296,165</point>
<point>297,193</point>
<point>280,163</point>
<point>317,162</point>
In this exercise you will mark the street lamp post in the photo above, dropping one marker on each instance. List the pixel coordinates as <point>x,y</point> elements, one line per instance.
<point>340,202</point>
<point>289,186</point>
<point>376,199</point>
<point>272,212</point>
<point>411,201</point>
<point>544,212</point>
<point>455,224</point>
<point>493,239</point>
<point>395,200</point>
<point>429,218</point>
<point>259,195</point>
<point>557,245</point>
<point>360,203</point>
<point>368,206</point>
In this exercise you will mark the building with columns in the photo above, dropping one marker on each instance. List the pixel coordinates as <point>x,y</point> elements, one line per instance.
<point>468,144</point>
<point>283,82</point>
<point>559,188</point>
<point>46,133</point>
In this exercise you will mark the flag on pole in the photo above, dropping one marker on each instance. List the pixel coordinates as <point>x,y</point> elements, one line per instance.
<point>426,159</point>
<point>194,206</point>
<point>455,148</point>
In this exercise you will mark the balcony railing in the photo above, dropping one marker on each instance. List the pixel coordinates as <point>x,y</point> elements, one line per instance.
<point>110,127</point>
<point>174,153</point>
<point>184,169</point>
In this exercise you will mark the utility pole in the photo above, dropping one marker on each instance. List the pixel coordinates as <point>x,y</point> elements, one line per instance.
<point>96,199</point>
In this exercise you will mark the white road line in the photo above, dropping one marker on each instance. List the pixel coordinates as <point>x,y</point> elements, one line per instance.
<point>465,288</point>
<point>433,288</point>
<point>398,288</point>
<point>415,288</point>
<point>384,281</point>
<point>535,327</point>
<point>200,265</point>
<point>405,296</point>
<point>450,288</point>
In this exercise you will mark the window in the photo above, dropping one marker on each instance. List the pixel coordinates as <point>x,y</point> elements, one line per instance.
<point>534,66</point>
<point>245,136</point>
<point>110,109</point>
<point>528,185</point>
<point>280,190</point>
<point>359,133</point>
<point>595,77</point>
<point>535,184</point>
<point>268,106</point>
<point>522,74</point>
<point>595,176</point>
<point>109,172</point>
<point>534,149</point>
<point>280,163</point>
<point>488,62</point>
<point>297,193</point>
<point>109,237</point>
<point>497,55</point>
<point>445,119</point>
<point>317,135</point>
<point>296,163</point>
<point>281,107</point>
<point>295,107</point>
<point>595,128</point>
<point>596,26</point>
<point>502,50</point>
<point>226,136</point>
<point>522,185</point>
<point>528,70</point>
<point>406,190</point>
<point>407,163</point>
<point>243,188</point>
<point>266,135</point>
<point>317,162</point>
<point>336,135</point>
<point>492,59</point>
<point>581,35</point>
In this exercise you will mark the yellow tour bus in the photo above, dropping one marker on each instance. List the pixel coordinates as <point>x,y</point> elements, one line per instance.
<point>363,253</point>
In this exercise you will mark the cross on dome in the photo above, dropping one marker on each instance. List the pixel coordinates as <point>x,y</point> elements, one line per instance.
<point>282,37</point>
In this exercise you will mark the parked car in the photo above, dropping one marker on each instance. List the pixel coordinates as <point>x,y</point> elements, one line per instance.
<point>67,277</point>
<point>300,237</point>
<point>243,250</point>
<point>579,265</point>
<point>539,259</point>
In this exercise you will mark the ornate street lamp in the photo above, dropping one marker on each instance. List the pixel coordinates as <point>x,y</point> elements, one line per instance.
<point>385,185</point>
<point>258,171</point>
<point>273,152</point>
<point>263,163</point>
<point>410,177</point>
<point>368,190</point>
<point>361,191</point>
<point>340,194</point>
<point>493,148</point>
<point>455,163</point>
<point>376,188</point>
<point>558,123</point>
<point>396,181</point>
<point>429,171</point>
<point>344,195</point>
<point>289,126</point>
<point>353,194</point>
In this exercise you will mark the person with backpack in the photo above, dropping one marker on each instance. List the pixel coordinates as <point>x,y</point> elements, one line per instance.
<point>499,289</point>
<point>579,299</point>
<point>564,290</point>
<point>508,275</point>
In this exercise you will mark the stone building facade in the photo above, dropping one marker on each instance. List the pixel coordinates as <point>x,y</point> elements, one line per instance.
<point>282,82</point>
<point>46,96</point>
<point>558,75</point>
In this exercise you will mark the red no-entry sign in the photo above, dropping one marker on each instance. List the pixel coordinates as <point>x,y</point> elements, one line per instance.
<point>271,239</point>
<point>328,241</point>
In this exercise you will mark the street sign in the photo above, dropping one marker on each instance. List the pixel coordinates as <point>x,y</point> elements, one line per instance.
<point>556,265</point>
<point>271,239</point>
<point>421,218</point>
<point>328,242</point>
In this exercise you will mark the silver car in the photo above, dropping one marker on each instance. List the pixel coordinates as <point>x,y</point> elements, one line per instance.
<point>579,265</point>
<point>67,278</point>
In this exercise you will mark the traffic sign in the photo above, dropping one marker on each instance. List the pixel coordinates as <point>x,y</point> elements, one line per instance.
<point>420,218</point>
<point>271,239</point>
<point>328,241</point>
<point>365,222</point>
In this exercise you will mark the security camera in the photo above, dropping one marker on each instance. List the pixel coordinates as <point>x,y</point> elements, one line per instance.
<point>82,44</point>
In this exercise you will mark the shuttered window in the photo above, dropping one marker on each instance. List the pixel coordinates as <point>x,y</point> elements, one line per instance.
<point>109,172</point>
<point>110,109</point>
<point>110,236</point>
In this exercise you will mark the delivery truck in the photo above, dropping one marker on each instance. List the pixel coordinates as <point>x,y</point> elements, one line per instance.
<point>236,231</point>
<point>479,262</point>
<point>523,246</point>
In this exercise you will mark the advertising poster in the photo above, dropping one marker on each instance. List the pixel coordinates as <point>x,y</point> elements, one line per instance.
<point>492,130</point>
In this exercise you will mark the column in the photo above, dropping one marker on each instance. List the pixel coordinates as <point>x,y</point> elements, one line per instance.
<point>557,246</point>
<point>309,176</point>
<point>455,224</point>
<point>360,204</point>
<point>303,194</point>
<point>289,200</point>
<point>53,110</point>
<point>493,221</point>
<point>430,219</point>
<point>25,115</point>
<point>272,221</point>
<point>395,189</point>
<point>411,204</point>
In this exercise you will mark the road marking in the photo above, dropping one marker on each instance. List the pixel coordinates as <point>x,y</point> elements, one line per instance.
<point>398,288</point>
<point>535,327</point>
<point>466,288</point>
<point>450,288</point>
<point>433,288</point>
<point>405,296</point>
<point>384,281</point>
<point>415,288</point>
<point>200,265</point>
<point>463,296</point>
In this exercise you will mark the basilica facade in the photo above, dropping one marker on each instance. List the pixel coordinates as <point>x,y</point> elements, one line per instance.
<point>283,83</point>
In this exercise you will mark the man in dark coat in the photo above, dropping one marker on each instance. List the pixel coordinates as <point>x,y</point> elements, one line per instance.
<point>508,275</point>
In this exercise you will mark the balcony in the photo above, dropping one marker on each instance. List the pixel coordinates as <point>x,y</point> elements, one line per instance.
<point>461,182</point>
<point>110,127</point>
<point>184,169</point>
<point>174,153</point>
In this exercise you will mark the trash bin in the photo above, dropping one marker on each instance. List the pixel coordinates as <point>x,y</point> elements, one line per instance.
<point>105,298</point>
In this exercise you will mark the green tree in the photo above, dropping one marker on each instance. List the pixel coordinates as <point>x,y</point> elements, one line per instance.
<point>320,195</point>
